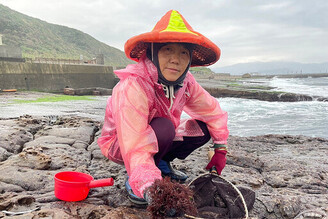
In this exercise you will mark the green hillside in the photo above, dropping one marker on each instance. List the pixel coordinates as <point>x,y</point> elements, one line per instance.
<point>38,38</point>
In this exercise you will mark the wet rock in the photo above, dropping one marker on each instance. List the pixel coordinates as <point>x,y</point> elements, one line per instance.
<point>82,134</point>
<point>78,144</point>
<point>21,137</point>
<point>246,176</point>
<point>13,142</point>
<point>85,210</point>
<point>128,213</point>
<point>4,154</point>
<point>50,140</point>
<point>312,214</point>
<point>290,207</point>
<point>4,187</point>
<point>45,196</point>
<point>93,146</point>
<point>30,157</point>
<point>61,151</point>
<point>32,124</point>
<point>11,147</point>
<point>294,174</point>
<point>244,159</point>
<point>10,201</point>
<point>49,213</point>
<point>26,178</point>
<point>260,95</point>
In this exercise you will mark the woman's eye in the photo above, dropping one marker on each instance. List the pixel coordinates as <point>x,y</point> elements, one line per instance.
<point>185,53</point>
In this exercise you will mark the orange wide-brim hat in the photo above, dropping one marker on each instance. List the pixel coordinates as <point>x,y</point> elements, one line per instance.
<point>173,28</point>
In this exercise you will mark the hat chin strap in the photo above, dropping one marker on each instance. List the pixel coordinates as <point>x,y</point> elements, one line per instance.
<point>152,51</point>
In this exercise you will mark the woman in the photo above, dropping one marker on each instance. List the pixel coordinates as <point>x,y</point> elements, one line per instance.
<point>142,127</point>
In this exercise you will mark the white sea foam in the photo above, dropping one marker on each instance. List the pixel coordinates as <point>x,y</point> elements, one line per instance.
<point>254,117</point>
<point>309,86</point>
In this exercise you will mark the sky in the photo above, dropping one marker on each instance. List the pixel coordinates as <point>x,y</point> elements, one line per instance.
<point>245,30</point>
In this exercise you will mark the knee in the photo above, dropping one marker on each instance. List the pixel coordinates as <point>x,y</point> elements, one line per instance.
<point>163,128</point>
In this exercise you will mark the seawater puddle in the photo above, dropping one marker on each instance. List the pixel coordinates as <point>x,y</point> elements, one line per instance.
<point>94,108</point>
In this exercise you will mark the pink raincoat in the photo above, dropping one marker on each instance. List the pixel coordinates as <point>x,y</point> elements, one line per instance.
<point>127,136</point>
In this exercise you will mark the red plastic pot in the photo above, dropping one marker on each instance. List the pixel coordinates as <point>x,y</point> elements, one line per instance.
<point>74,186</point>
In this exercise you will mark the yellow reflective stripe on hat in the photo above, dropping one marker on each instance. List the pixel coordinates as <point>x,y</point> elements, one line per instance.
<point>176,24</point>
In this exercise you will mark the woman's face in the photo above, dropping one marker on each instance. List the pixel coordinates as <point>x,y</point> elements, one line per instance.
<point>173,60</point>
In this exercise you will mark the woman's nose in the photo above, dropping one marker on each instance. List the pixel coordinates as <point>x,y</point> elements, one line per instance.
<point>175,58</point>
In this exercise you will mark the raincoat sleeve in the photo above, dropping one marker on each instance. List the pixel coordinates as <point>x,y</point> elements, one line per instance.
<point>137,140</point>
<point>204,107</point>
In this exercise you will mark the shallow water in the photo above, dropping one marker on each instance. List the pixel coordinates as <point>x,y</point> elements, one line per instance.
<point>94,109</point>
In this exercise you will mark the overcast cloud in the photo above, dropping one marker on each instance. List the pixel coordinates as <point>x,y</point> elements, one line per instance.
<point>245,30</point>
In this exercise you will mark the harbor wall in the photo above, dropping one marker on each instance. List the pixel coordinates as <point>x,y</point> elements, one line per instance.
<point>54,77</point>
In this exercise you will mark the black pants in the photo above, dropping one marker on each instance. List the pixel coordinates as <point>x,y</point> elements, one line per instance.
<point>169,149</point>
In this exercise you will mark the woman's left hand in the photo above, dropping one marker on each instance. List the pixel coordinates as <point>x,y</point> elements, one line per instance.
<point>167,199</point>
<point>218,160</point>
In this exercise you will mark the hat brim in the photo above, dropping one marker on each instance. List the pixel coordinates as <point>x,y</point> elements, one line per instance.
<point>205,52</point>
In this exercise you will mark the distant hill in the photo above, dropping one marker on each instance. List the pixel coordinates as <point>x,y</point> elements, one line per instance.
<point>38,38</point>
<point>273,68</point>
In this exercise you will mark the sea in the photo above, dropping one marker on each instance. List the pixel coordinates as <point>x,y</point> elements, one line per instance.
<point>255,117</point>
<point>246,117</point>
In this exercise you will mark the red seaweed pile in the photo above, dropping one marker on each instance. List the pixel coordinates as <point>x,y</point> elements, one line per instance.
<point>170,199</point>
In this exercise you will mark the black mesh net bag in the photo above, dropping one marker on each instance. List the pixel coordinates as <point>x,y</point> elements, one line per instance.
<point>216,197</point>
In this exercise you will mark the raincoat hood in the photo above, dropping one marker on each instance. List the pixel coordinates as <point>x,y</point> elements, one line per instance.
<point>172,27</point>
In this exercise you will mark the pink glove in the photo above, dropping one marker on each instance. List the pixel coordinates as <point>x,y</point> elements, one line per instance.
<point>218,160</point>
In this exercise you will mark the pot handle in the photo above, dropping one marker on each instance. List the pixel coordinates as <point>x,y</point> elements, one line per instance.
<point>101,183</point>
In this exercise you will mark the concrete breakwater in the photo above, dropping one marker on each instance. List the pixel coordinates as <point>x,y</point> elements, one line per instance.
<point>54,77</point>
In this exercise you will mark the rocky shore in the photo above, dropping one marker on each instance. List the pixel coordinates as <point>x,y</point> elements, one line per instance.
<point>288,173</point>
<point>243,88</point>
